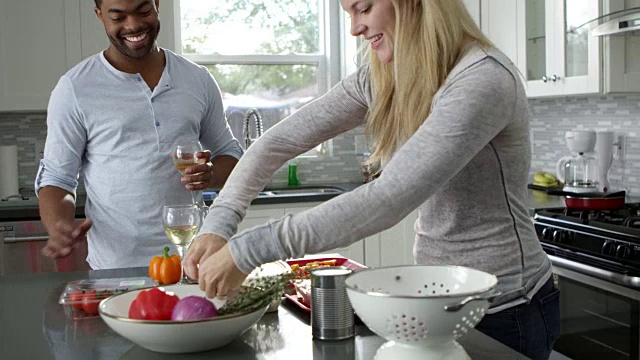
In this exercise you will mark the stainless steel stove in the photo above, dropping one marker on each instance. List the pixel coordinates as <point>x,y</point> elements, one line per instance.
<point>596,260</point>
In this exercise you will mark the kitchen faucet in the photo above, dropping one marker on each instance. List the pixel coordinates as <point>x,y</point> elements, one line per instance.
<point>247,129</point>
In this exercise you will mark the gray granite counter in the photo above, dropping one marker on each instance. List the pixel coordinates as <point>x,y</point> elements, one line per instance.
<point>28,209</point>
<point>537,200</point>
<point>21,210</point>
<point>34,326</point>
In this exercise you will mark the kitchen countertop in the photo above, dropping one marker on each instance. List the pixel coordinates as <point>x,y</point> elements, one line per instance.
<point>34,326</point>
<point>21,210</point>
<point>28,209</point>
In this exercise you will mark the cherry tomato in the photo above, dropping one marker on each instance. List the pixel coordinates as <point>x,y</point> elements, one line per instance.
<point>90,302</point>
<point>75,298</point>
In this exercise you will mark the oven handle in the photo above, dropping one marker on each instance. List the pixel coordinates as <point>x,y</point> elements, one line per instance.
<point>611,276</point>
<point>21,239</point>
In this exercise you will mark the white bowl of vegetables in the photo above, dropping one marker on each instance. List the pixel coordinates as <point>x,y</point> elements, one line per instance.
<point>176,319</point>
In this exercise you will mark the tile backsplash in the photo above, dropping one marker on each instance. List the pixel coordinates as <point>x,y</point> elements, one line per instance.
<point>551,118</point>
<point>28,131</point>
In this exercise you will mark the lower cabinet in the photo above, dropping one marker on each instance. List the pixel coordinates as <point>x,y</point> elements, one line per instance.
<point>393,246</point>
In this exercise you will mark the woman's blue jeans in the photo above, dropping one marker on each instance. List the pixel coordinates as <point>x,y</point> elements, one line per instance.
<point>531,329</point>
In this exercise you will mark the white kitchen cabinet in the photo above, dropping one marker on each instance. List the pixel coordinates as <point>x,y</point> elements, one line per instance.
<point>556,55</point>
<point>41,40</point>
<point>393,246</point>
<point>498,20</point>
<point>38,43</point>
<point>621,54</point>
<point>473,7</point>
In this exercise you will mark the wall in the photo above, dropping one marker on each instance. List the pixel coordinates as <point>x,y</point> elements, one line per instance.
<point>551,118</point>
<point>28,129</point>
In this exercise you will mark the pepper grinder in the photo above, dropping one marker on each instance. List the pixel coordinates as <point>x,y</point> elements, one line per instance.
<point>331,312</point>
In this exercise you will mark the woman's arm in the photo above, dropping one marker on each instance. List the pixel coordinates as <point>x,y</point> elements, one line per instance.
<point>469,113</point>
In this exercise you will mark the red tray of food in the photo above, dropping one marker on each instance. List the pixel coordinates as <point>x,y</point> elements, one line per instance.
<point>300,292</point>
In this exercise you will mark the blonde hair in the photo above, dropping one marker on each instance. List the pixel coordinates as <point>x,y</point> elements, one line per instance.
<point>429,38</point>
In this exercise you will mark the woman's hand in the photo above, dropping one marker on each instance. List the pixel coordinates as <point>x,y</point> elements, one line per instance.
<point>199,177</point>
<point>202,248</point>
<point>219,275</point>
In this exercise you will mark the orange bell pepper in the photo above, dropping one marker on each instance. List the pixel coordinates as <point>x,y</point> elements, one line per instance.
<point>165,269</point>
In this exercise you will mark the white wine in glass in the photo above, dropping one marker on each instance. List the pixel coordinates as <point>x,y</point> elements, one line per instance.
<point>181,224</point>
<point>183,155</point>
<point>181,235</point>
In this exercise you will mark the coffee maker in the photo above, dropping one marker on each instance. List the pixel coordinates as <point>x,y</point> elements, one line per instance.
<point>587,169</point>
<point>605,141</point>
<point>579,172</point>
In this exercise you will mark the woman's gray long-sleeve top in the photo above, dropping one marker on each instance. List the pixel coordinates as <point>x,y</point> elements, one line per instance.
<point>465,170</point>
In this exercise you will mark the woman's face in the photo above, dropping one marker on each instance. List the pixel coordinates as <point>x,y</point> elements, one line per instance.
<point>375,20</point>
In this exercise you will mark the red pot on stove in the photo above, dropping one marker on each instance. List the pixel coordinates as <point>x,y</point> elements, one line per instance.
<point>607,202</point>
<point>587,201</point>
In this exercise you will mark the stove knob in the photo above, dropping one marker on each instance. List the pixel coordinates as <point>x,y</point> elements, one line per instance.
<point>608,247</point>
<point>623,251</point>
<point>545,233</point>
<point>569,236</point>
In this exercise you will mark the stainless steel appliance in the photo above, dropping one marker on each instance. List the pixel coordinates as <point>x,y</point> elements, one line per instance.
<point>20,245</point>
<point>596,260</point>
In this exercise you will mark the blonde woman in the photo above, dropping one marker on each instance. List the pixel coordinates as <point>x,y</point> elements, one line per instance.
<point>448,116</point>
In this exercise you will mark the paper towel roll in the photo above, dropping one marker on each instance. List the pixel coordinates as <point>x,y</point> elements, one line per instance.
<point>8,171</point>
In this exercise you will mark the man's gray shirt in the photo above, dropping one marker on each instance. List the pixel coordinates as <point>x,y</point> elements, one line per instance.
<point>465,170</point>
<point>110,126</point>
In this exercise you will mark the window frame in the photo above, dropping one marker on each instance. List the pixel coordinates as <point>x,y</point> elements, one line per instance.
<point>330,61</point>
<point>334,62</point>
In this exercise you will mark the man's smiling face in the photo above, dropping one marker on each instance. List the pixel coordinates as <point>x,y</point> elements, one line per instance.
<point>131,25</point>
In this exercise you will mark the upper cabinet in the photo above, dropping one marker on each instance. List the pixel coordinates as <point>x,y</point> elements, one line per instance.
<point>41,40</point>
<point>498,21</point>
<point>35,49</point>
<point>549,40</point>
<point>621,70</point>
<point>556,54</point>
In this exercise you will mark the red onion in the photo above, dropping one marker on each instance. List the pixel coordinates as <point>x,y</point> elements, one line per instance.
<point>193,308</point>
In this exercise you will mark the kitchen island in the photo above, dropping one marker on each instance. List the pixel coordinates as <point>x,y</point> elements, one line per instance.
<point>34,326</point>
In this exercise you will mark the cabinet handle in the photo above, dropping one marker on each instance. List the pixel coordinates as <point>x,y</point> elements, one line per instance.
<point>19,239</point>
<point>545,78</point>
<point>555,78</point>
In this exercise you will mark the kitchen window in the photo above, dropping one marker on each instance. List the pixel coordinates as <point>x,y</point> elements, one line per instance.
<point>271,55</point>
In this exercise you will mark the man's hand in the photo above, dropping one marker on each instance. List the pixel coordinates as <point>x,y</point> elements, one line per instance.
<point>219,275</point>
<point>199,177</point>
<point>64,236</point>
<point>202,247</point>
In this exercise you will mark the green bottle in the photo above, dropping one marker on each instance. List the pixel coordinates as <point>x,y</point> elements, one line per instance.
<point>293,175</point>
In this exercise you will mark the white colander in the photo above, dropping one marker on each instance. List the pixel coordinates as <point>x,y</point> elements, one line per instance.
<point>426,307</point>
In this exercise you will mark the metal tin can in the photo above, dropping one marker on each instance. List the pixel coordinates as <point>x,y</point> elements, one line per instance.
<point>331,311</point>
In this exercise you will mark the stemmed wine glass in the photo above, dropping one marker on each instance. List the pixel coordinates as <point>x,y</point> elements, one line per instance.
<point>183,156</point>
<point>181,224</point>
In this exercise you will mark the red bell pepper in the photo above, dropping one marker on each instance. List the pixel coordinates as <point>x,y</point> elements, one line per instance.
<point>153,304</point>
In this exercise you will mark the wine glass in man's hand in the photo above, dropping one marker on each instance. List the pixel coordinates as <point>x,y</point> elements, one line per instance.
<point>184,156</point>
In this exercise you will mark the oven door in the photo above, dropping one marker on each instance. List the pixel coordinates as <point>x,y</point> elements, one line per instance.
<point>599,318</point>
<point>21,243</point>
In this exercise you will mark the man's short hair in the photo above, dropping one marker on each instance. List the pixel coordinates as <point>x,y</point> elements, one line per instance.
<point>98,3</point>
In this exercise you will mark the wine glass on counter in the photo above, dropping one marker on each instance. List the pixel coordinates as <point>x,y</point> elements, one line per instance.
<point>181,224</point>
<point>183,155</point>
